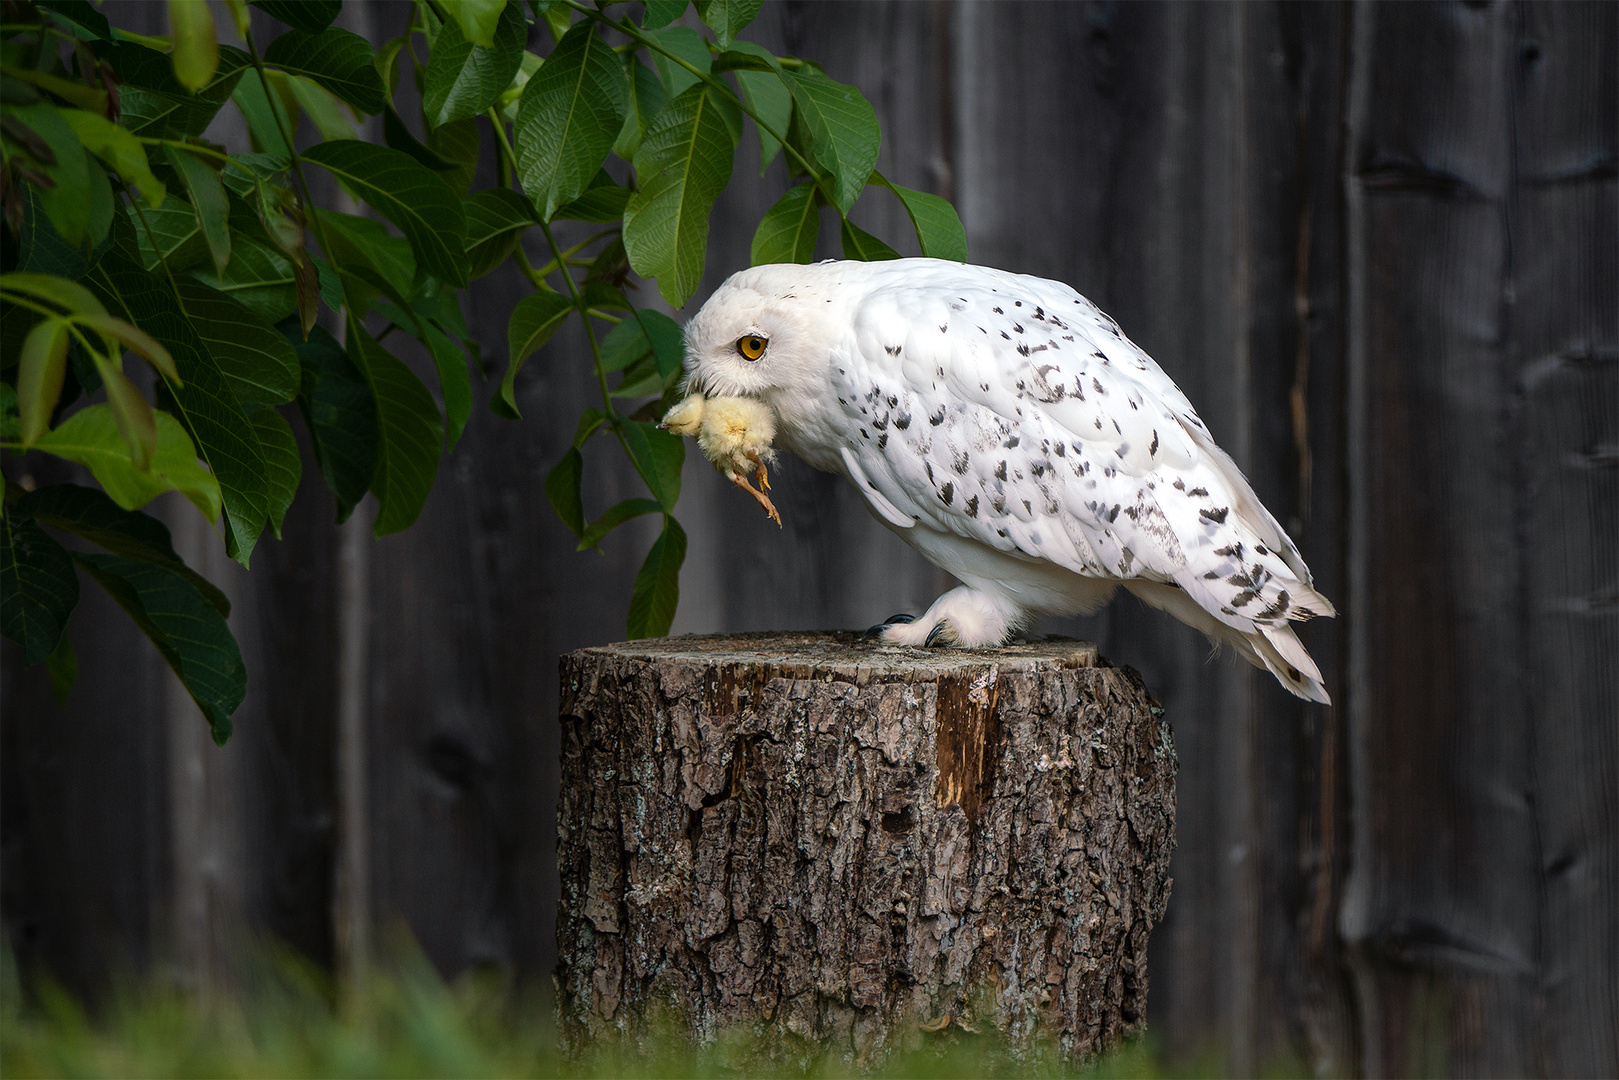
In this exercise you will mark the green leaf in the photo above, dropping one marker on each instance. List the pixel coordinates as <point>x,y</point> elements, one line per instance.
<point>667,338</point>
<point>646,98</point>
<point>68,203</point>
<point>63,665</point>
<point>457,143</point>
<point>310,16</point>
<point>660,13</point>
<point>454,380</point>
<point>319,104</point>
<point>153,102</point>
<point>205,402</point>
<point>38,588</point>
<point>196,48</point>
<point>727,17</point>
<point>283,467</point>
<point>39,377</point>
<point>410,433</point>
<point>640,380</point>
<point>562,489</point>
<point>68,295</point>
<point>258,365</point>
<point>496,220</point>
<point>859,244</point>
<point>788,231</point>
<point>120,335</point>
<point>400,137</point>
<point>40,248</point>
<point>169,234</point>
<point>91,438</point>
<point>590,422</point>
<point>685,163</point>
<point>259,278</point>
<point>257,109</point>
<point>79,18</point>
<point>602,204</point>
<point>336,59</point>
<point>131,411</point>
<point>617,515</point>
<point>844,129</point>
<point>75,92</point>
<point>624,345</point>
<point>938,227</point>
<point>658,457</point>
<point>463,77</point>
<point>341,415</point>
<point>191,636</point>
<point>131,534</point>
<point>208,200</point>
<point>119,149</point>
<point>359,241</point>
<point>412,197</point>
<point>478,20</point>
<point>687,44</point>
<point>533,321</point>
<point>570,113</point>
<point>767,95</point>
<point>657,586</point>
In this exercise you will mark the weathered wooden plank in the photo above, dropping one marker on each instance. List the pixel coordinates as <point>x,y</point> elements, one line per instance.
<point>1564,345</point>
<point>1439,912</point>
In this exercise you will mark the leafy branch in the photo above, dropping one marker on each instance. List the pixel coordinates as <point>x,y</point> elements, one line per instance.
<point>132,232</point>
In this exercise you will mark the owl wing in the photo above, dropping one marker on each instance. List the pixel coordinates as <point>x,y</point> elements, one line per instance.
<point>1011,411</point>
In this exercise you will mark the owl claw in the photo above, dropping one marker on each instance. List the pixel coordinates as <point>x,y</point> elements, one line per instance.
<point>877,631</point>
<point>941,634</point>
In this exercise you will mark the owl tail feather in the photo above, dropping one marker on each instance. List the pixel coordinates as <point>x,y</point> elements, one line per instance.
<point>1276,649</point>
<point>1284,656</point>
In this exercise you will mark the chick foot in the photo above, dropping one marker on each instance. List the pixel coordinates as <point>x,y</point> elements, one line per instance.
<point>764,500</point>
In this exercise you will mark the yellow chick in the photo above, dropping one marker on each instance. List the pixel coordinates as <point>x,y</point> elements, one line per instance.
<point>735,434</point>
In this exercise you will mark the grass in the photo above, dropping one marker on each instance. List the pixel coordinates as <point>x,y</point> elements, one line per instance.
<point>286,1018</point>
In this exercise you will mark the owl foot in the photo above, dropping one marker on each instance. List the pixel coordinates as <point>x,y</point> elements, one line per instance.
<point>764,500</point>
<point>966,617</point>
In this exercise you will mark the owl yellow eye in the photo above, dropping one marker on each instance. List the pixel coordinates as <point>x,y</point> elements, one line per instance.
<point>751,347</point>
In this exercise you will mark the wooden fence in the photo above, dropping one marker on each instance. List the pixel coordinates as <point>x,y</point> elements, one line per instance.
<point>1378,246</point>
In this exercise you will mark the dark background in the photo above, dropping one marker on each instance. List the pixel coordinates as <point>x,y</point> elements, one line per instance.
<point>1377,245</point>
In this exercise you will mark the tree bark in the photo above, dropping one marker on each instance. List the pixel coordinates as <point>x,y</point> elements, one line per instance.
<point>848,849</point>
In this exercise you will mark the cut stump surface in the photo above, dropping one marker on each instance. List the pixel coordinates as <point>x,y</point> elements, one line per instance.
<point>844,848</point>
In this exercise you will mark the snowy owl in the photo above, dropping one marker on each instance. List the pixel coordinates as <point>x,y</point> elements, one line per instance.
<point>1004,427</point>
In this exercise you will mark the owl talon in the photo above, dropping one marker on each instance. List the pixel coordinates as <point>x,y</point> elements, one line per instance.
<point>942,634</point>
<point>877,631</point>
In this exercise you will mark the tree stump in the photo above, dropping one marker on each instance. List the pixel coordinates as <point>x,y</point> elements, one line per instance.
<point>843,848</point>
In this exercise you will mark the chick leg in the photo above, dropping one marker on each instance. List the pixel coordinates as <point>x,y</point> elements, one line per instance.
<point>759,472</point>
<point>764,500</point>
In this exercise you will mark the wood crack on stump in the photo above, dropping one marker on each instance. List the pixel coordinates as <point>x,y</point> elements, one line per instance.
<point>842,848</point>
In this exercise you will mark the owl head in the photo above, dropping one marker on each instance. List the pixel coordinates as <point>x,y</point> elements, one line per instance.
<point>766,334</point>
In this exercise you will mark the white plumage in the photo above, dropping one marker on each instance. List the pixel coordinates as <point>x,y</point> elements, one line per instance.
<point>1004,427</point>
